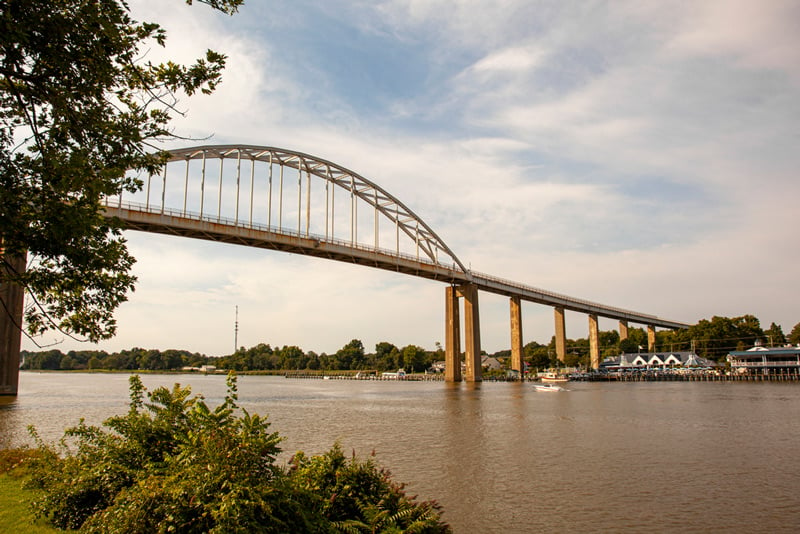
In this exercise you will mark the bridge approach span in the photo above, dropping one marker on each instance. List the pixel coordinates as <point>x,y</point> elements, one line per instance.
<point>286,200</point>
<point>175,222</point>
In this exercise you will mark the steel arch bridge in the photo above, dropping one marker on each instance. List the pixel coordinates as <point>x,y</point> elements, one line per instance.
<point>286,200</point>
<point>273,198</point>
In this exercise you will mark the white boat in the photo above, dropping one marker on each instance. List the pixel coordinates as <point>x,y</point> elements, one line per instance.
<point>548,387</point>
<point>554,378</point>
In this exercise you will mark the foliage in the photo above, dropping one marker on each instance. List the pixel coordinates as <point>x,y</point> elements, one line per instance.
<point>794,335</point>
<point>414,359</point>
<point>357,496</point>
<point>351,356</point>
<point>709,338</point>
<point>14,459</point>
<point>166,460</point>
<point>717,337</point>
<point>539,356</point>
<point>172,464</point>
<point>131,359</point>
<point>79,109</point>
<point>775,336</point>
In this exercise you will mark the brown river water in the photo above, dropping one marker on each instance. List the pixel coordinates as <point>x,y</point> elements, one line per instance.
<point>501,457</point>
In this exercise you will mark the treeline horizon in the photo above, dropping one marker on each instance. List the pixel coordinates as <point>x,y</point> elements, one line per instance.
<point>712,339</point>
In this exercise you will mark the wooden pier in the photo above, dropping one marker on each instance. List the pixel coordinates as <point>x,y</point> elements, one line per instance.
<point>657,376</point>
<point>363,375</point>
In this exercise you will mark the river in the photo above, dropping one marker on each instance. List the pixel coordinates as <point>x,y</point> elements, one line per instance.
<point>501,457</point>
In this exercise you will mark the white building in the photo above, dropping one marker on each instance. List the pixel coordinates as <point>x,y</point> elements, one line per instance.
<point>656,361</point>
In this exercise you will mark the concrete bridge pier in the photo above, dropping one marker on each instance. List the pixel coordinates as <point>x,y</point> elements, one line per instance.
<point>12,299</point>
<point>516,336</point>
<point>472,334</point>
<point>623,330</point>
<point>561,334</point>
<point>651,338</point>
<point>594,342</point>
<point>452,337</point>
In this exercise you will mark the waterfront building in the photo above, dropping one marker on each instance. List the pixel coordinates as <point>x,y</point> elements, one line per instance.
<point>656,361</point>
<point>766,361</point>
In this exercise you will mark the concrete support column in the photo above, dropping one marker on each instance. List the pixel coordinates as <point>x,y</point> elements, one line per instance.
<point>12,299</point>
<point>452,337</point>
<point>516,336</point>
<point>651,338</point>
<point>623,330</point>
<point>472,333</point>
<point>594,345</point>
<point>561,335</point>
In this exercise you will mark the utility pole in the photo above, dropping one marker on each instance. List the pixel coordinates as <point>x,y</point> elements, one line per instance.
<point>236,331</point>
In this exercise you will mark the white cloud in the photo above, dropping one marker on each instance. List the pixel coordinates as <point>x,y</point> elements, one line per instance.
<point>757,35</point>
<point>639,155</point>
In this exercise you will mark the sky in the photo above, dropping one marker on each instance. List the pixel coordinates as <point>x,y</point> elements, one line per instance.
<point>638,154</point>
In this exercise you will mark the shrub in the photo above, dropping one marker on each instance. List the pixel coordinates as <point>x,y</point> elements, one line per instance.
<point>174,465</point>
<point>358,496</point>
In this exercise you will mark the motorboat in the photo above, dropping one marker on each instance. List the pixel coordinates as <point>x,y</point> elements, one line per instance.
<point>554,378</point>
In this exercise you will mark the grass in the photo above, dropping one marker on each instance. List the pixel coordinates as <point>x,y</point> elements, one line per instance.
<point>15,512</point>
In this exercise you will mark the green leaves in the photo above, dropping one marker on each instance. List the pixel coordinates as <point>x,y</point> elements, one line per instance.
<point>358,496</point>
<point>173,464</point>
<point>79,115</point>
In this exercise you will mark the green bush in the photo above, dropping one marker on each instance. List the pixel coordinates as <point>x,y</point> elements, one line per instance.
<point>174,465</point>
<point>358,496</point>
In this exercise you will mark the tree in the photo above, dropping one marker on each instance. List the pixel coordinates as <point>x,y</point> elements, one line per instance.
<point>351,356</point>
<point>717,337</point>
<point>414,358</point>
<point>775,335</point>
<point>385,356</point>
<point>80,112</point>
<point>794,335</point>
<point>537,356</point>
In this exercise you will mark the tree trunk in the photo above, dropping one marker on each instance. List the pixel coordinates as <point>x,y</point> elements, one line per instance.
<point>12,298</point>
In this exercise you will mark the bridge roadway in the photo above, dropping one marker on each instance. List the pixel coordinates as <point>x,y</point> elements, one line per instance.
<point>174,222</point>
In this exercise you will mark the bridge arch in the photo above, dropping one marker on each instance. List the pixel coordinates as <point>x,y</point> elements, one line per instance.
<point>290,193</point>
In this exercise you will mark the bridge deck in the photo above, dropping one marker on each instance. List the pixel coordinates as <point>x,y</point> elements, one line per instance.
<point>170,222</point>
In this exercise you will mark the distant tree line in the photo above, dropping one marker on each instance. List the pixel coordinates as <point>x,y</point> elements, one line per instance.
<point>261,357</point>
<point>132,360</point>
<point>710,338</point>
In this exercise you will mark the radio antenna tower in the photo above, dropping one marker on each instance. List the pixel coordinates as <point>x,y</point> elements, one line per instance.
<point>236,331</point>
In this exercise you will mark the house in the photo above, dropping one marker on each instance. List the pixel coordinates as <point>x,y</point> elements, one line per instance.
<point>656,361</point>
<point>766,360</point>
<point>491,363</point>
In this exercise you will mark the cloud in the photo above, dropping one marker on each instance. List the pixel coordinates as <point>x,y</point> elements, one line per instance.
<point>758,36</point>
<point>639,155</point>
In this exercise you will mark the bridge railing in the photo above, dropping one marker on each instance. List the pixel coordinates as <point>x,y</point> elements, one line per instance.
<point>579,302</point>
<point>115,202</point>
